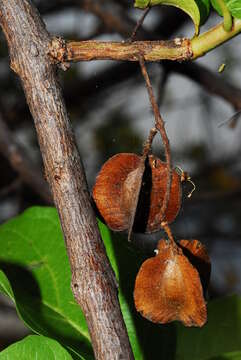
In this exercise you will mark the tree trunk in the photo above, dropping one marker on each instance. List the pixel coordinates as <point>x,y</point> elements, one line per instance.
<point>92,274</point>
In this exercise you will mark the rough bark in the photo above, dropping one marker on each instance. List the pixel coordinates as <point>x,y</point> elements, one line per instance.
<point>91,272</point>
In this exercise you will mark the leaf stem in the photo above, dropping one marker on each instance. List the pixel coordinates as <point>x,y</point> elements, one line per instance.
<point>227,17</point>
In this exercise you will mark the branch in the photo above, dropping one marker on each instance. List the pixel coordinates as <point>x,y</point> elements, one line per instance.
<point>178,49</point>
<point>22,164</point>
<point>212,82</point>
<point>92,274</point>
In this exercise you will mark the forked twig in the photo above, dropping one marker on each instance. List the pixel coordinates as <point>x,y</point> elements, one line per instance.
<point>160,126</point>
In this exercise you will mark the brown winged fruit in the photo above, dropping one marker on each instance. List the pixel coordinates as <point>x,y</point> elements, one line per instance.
<point>168,288</point>
<point>117,184</point>
<point>198,256</point>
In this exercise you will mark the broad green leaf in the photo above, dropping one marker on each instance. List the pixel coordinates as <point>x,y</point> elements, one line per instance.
<point>204,9</point>
<point>188,6</point>
<point>222,333</point>
<point>33,258</point>
<point>234,6</point>
<point>35,347</point>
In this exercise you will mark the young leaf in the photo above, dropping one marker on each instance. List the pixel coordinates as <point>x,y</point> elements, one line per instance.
<point>35,347</point>
<point>33,257</point>
<point>188,6</point>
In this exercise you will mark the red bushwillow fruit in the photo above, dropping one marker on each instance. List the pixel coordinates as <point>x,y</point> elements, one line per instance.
<point>115,187</point>
<point>168,288</point>
<point>198,256</point>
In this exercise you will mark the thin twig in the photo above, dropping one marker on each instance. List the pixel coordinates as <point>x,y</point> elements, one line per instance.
<point>167,229</point>
<point>160,126</point>
<point>139,23</point>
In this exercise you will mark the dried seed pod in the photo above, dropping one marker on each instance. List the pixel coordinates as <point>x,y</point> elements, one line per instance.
<point>198,256</point>
<point>115,189</point>
<point>168,288</point>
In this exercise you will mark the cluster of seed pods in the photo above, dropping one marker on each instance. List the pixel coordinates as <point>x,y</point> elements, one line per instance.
<point>129,194</point>
<point>116,186</point>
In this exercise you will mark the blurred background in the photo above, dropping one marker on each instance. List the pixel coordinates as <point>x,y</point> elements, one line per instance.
<point>110,113</point>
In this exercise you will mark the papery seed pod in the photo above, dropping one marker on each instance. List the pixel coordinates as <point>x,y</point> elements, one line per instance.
<point>115,189</point>
<point>198,256</point>
<point>168,288</point>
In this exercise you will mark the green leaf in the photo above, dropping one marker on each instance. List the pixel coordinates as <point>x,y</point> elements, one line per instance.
<point>35,347</point>
<point>188,6</point>
<point>222,333</point>
<point>204,9</point>
<point>234,7</point>
<point>5,287</point>
<point>33,258</point>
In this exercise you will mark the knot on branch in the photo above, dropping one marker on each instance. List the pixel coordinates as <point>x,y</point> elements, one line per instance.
<point>58,52</point>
